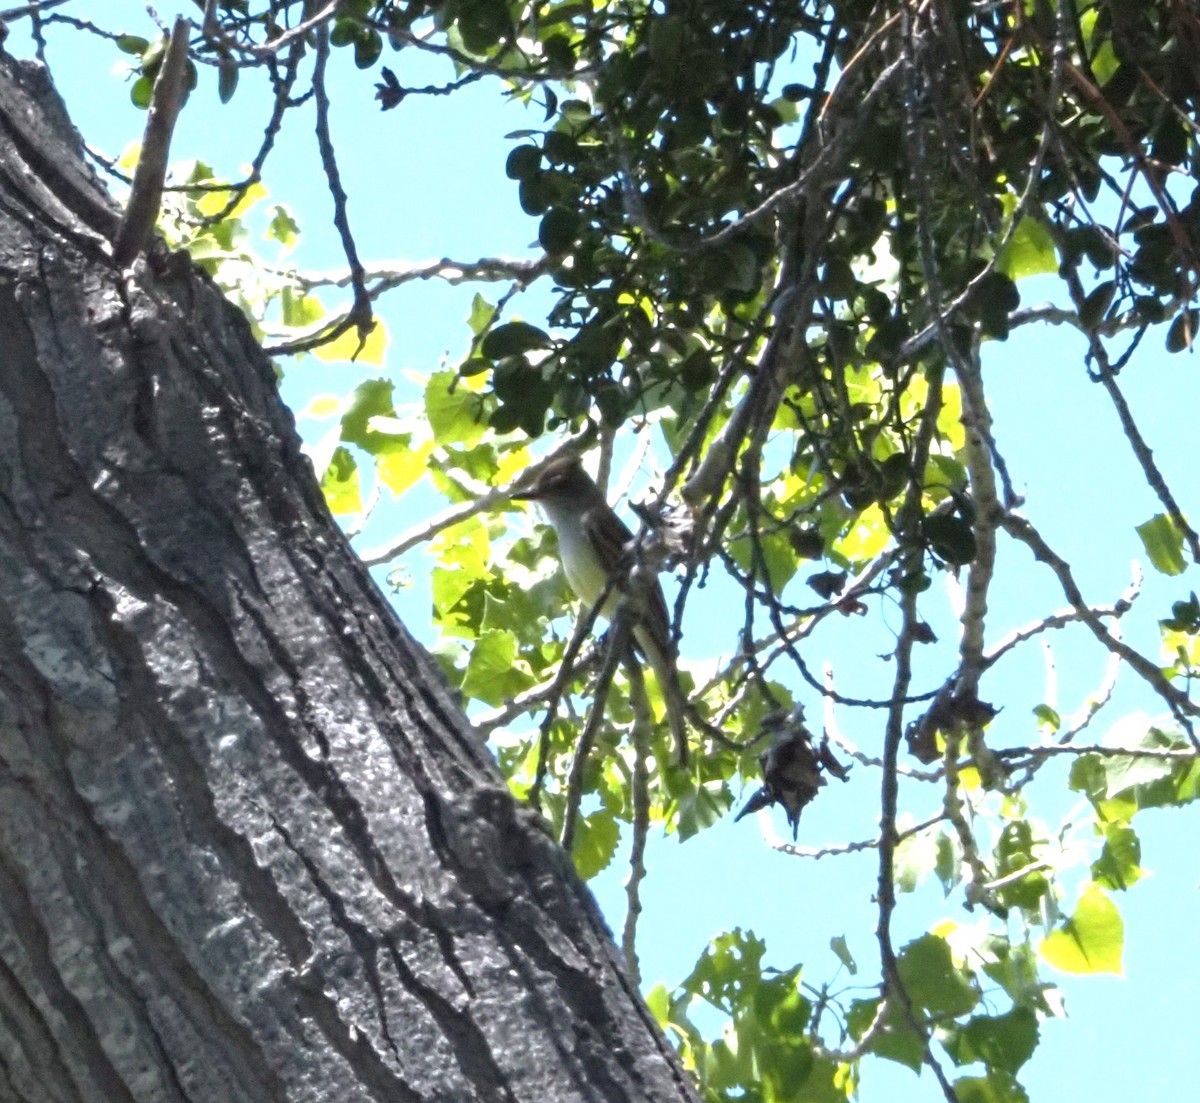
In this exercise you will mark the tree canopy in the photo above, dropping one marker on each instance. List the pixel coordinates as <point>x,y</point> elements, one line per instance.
<point>779,247</point>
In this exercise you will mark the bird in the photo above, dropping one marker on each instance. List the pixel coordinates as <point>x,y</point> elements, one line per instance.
<point>594,546</point>
<point>793,770</point>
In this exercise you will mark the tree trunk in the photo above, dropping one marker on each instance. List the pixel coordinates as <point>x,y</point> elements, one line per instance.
<point>250,850</point>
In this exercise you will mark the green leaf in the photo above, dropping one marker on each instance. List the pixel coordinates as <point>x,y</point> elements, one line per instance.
<point>492,675</point>
<point>512,339</point>
<point>1047,717</point>
<point>729,970</point>
<point>455,412</point>
<point>227,81</point>
<point>132,44</point>
<point>950,538</point>
<point>897,1041</point>
<point>1015,969</point>
<point>838,945</point>
<point>482,313</point>
<point>1029,252</point>
<point>372,398</point>
<point>350,346</point>
<point>340,483</point>
<point>701,807</point>
<point>141,92</point>
<point>1000,1041</point>
<point>915,858</point>
<point>367,48</point>
<point>400,468</point>
<point>1118,866</point>
<point>523,162</point>
<point>1182,332</point>
<point>556,234</point>
<point>596,838</point>
<point>1164,544</point>
<point>658,1000</point>
<point>1015,851</point>
<point>282,227</point>
<point>949,861</point>
<point>1091,941</point>
<point>299,310</point>
<point>996,1087</point>
<point>933,981</point>
<point>1113,781</point>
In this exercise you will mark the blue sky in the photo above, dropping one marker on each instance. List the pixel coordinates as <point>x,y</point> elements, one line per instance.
<point>426,181</point>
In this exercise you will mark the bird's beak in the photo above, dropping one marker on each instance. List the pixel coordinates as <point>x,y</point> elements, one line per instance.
<point>530,495</point>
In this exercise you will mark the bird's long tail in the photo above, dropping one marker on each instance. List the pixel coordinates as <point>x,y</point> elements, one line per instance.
<point>662,662</point>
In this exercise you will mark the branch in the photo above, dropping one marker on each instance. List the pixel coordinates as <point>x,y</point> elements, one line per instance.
<point>145,197</point>
<point>1107,376</point>
<point>618,648</point>
<point>260,54</point>
<point>978,450</point>
<point>283,93</point>
<point>385,277</point>
<point>639,785</point>
<point>1060,619</point>
<point>1104,751</point>
<point>35,7</point>
<point>360,312</point>
<point>853,848</point>
<point>1181,705</point>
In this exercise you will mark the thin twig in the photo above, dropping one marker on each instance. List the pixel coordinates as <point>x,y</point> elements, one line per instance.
<point>360,312</point>
<point>34,8</point>
<point>618,648</point>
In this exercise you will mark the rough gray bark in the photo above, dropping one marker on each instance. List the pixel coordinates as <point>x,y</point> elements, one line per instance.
<point>249,848</point>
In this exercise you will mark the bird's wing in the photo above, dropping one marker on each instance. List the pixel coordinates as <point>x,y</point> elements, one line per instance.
<point>608,533</point>
<point>611,538</point>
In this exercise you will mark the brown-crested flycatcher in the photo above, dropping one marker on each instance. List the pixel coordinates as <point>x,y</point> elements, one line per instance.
<point>594,545</point>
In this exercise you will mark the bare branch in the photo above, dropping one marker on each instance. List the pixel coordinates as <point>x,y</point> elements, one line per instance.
<point>141,212</point>
<point>386,276</point>
<point>1181,705</point>
<point>360,312</point>
<point>639,784</point>
<point>258,54</point>
<point>619,648</point>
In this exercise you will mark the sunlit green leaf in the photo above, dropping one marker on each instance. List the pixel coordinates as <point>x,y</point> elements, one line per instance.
<point>1118,866</point>
<point>454,410</point>
<point>1091,941</point>
<point>658,1000</point>
<point>1029,252</point>
<point>283,227</point>
<point>1164,544</point>
<point>492,674</point>
<point>482,313</point>
<point>401,468</point>
<point>596,837</point>
<point>371,398</point>
<point>340,484</point>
